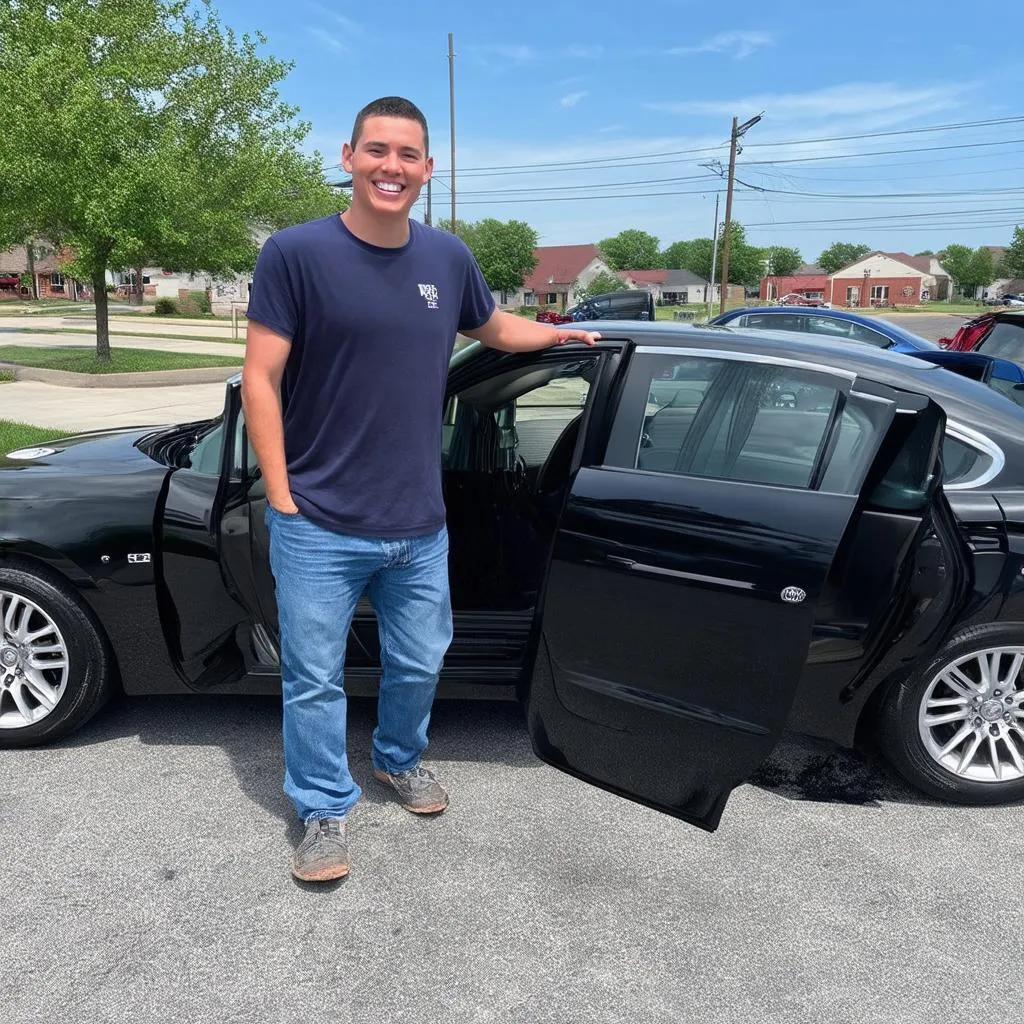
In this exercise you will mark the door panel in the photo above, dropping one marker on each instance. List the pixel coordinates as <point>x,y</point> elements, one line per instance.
<point>679,608</point>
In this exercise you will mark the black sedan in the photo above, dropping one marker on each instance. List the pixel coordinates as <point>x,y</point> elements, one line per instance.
<point>671,547</point>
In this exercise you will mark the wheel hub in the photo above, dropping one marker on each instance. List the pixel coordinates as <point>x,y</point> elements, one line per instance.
<point>992,710</point>
<point>8,657</point>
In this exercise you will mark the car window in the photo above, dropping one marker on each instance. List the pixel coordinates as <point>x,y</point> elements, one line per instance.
<point>771,321</point>
<point>736,421</point>
<point>206,453</point>
<point>516,417</point>
<point>1005,340</point>
<point>833,327</point>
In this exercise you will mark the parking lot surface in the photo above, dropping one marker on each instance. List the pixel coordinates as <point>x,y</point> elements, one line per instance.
<point>147,879</point>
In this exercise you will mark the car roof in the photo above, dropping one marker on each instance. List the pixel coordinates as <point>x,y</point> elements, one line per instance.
<point>964,400</point>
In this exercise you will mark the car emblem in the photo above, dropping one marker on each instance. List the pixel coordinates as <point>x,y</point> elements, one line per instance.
<point>793,595</point>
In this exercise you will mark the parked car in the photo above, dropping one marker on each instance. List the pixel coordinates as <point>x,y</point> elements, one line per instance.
<point>672,547</point>
<point>996,333</point>
<point>831,323</point>
<point>795,299</point>
<point>631,304</point>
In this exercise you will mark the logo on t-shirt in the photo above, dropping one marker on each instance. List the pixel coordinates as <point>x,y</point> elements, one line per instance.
<point>429,293</point>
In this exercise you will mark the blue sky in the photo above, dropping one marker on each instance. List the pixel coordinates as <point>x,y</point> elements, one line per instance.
<point>584,99</point>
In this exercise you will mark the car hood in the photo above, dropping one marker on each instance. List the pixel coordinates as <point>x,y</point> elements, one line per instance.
<point>83,462</point>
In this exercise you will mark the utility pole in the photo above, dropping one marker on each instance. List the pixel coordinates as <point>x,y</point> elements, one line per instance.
<point>709,298</point>
<point>428,218</point>
<point>451,115</point>
<point>738,131</point>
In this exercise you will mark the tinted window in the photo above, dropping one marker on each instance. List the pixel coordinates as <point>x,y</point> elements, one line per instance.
<point>961,462</point>
<point>771,321</point>
<point>835,328</point>
<point>736,421</point>
<point>1005,340</point>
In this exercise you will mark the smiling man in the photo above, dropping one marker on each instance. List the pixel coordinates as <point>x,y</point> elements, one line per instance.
<point>352,321</point>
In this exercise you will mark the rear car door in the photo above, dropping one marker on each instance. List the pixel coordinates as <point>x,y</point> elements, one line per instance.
<point>690,559</point>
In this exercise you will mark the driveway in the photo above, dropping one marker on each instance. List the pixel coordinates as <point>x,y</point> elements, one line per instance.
<point>146,878</point>
<point>928,325</point>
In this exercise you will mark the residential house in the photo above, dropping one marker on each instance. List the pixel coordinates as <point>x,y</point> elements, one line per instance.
<point>675,287</point>
<point>561,273</point>
<point>158,283</point>
<point>1001,285</point>
<point>808,280</point>
<point>51,282</point>
<point>888,279</point>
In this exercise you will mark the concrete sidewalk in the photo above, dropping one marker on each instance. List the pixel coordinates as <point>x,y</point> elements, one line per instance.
<point>213,328</point>
<point>77,409</point>
<point>208,348</point>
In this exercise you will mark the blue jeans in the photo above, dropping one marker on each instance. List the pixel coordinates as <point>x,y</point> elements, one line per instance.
<point>320,576</point>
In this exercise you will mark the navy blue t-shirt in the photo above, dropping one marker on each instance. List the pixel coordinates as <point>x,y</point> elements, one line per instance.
<point>372,330</point>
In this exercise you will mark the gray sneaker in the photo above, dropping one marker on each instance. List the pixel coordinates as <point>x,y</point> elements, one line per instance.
<point>417,788</point>
<point>323,853</point>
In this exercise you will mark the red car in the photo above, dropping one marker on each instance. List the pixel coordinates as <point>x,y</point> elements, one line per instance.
<point>997,333</point>
<point>795,299</point>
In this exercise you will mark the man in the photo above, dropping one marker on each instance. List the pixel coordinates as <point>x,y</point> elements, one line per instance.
<point>352,321</point>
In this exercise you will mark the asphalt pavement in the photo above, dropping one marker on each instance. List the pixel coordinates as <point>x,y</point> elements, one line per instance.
<point>146,878</point>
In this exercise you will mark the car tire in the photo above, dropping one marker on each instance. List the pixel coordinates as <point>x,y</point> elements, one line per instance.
<point>62,630</point>
<point>989,714</point>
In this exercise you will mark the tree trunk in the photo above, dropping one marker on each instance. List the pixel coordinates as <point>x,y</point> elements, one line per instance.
<point>30,251</point>
<point>99,287</point>
<point>140,291</point>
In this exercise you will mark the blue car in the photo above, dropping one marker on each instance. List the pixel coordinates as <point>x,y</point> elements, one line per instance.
<point>830,323</point>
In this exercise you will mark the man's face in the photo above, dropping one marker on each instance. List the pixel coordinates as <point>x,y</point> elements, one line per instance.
<point>388,165</point>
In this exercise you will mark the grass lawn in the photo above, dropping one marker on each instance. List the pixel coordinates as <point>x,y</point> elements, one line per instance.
<point>21,435</point>
<point>964,308</point>
<point>122,360</point>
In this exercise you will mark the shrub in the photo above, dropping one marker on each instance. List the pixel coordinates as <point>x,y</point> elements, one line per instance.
<point>165,307</point>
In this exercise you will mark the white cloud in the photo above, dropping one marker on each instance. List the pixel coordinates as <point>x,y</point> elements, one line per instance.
<point>572,98</point>
<point>350,26</point>
<point>329,39</point>
<point>875,99</point>
<point>584,52</point>
<point>739,43</point>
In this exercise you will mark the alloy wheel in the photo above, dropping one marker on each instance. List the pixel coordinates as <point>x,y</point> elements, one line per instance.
<point>971,717</point>
<point>33,662</point>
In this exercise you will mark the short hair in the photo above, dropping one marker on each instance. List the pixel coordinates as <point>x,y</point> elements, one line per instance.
<point>391,106</point>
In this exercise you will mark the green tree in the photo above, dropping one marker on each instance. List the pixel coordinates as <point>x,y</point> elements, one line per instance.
<point>1013,258</point>
<point>746,262</point>
<point>957,261</point>
<point>169,144</point>
<point>631,250</point>
<point>677,256</point>
<point>842,254</point>
<point>782,261</point>
<point>698,257</point>
<point>600,284</point>
<point>981,270</point>
<point>504,250</point>
<point>925,252</point>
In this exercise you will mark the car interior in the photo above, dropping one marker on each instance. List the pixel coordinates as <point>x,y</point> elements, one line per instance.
<point>524,421</point>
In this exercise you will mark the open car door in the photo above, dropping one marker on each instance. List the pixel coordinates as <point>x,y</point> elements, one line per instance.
<point>689,560</point>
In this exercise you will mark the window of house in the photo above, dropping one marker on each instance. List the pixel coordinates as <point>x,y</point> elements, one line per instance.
<point>529,298</point>
<point>814,295</point>
<point>852,295</point>
<point>731,420</point>
<point>550,298</point>
<point>56,282</point>
<point>880,291</point>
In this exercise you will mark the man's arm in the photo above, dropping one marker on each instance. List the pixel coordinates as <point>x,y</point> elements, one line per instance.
<point>265,356</point>
<point>510,332</point>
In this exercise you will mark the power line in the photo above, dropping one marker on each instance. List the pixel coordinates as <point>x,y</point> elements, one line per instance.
<point>903,131</point>
<point>879,152</point>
